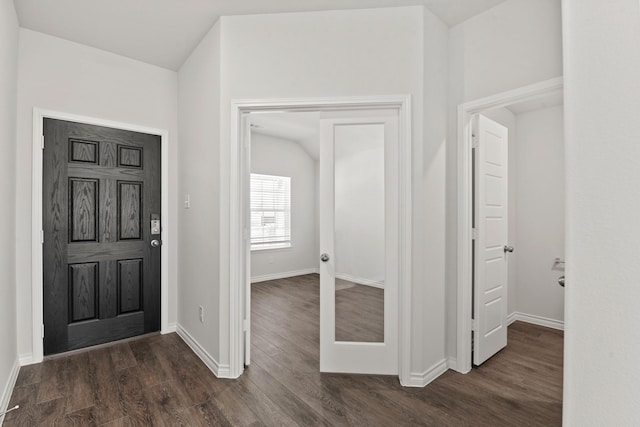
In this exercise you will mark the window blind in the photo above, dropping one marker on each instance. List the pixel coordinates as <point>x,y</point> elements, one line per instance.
<point>270,200</point>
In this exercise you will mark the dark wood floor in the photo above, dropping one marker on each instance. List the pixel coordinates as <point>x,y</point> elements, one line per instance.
<point>359,312</point>
<point>158,381</point>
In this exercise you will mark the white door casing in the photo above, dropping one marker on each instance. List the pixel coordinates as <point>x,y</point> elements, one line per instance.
<point>464,242</point>
<point>491,223</point>
<point>246,217</point>
<point>359,357</point>
<point>239,193</point>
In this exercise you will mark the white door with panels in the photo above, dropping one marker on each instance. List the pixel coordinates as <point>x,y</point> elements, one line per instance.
<point>491,247</point>
<point>359,231</point>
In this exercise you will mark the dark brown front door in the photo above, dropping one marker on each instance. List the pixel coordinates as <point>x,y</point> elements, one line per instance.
<point>101,190</point>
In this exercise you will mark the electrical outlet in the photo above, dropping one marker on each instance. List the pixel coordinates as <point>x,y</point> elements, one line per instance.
<point>201,314</point>
<point>187,201</point>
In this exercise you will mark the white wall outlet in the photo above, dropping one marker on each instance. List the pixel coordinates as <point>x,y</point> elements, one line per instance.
<point>201,313</point>
<point>187,201</point>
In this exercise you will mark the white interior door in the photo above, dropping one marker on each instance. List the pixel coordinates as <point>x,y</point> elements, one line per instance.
<point>359,241</point>
<point>491,245</point>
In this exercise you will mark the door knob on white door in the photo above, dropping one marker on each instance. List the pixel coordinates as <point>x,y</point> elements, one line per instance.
<point>324,257</point>
<point>508,248</point>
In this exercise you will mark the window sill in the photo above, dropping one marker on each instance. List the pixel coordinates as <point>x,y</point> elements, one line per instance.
<point>274,247</point>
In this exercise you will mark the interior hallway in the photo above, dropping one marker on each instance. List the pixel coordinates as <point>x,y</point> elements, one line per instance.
<point>157,380</point>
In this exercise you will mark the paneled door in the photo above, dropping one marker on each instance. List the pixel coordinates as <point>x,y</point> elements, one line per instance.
<point>491,244</point>
<point>102,236</point>
<point>359,238</point>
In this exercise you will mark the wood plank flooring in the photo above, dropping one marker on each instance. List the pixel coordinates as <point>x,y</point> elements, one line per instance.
<point>359,312</point>
<point>157,381</point>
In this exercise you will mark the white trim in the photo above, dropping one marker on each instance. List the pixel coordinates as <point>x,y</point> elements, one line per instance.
<point>171,327</point>
<point>238,164</point>
<point>361,281</point>
<point>465,191</point>
<point>424,378</point>
<point>36,220</point>
<point>271,246</point>
<point>452,363</point>
<point>26,359</point>
<point>283,275</point>
<point>220,371</point>
<point>536,320</point>
<point>8,389</point>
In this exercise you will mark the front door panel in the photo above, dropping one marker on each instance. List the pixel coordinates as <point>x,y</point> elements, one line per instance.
<point>101,189</point>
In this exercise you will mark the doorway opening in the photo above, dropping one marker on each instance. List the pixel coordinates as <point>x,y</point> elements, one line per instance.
<point>262,116</point>
<point>529,244</point>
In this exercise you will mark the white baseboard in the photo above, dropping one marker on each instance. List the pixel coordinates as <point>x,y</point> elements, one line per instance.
<point>360,281</point>
<point>171,327</point>
<point>8,388</point>
<point>424,378</point>
<point>26,359</point>
<point>535,320</point>
<point>284,275</point>
<point>452,363</point>
<point>220,371</point>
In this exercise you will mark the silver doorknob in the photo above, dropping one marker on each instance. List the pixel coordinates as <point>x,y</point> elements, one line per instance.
<point>508,248</point>
<point>155,243</point>
<point>324,257</point>
<point>561,281</point>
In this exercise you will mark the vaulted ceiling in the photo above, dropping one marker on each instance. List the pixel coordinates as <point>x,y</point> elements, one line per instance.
<point>164,32</point>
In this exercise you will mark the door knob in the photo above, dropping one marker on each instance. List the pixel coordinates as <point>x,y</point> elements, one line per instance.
<point>561,281</point>
<point>155,243</point>
<point>508,248</point>
<point>324,257</point>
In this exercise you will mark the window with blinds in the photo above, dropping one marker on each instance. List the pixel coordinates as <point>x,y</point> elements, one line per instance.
<point>270,211</point>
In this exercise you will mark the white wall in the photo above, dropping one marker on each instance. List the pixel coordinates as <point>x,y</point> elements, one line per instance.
<point>507,119</point>
<point>8,89</point>
<point>336,53</point>
<point>359,227</point>
<point>63,76</point>
<point>429,197</point>
<point>602,106</point>
<point>199,113</point>
<point>276,156</point>
<point>514,44</point>
<point>540,213</point>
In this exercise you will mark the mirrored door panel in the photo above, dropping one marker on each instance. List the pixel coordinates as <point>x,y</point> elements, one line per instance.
<point>358,217</point>
<point>359,234</point>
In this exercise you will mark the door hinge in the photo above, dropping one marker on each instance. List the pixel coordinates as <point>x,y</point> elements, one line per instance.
<point>42,142</point>
<point>42,237</point>
<point>43,330</point>
<point>246,234</point>
<point>474,141</point>
<point>474,325</point>
<point>245,325</point>
<point>474,233</point>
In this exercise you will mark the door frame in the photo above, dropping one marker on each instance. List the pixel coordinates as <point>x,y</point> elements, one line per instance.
<point>464,260</point>
<point>238,209</point>
<point>37,284</point>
